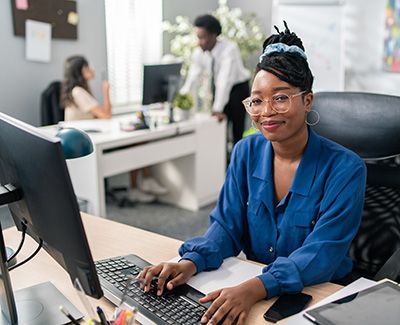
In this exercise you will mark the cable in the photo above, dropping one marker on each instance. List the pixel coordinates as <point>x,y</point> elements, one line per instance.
<point>24,227</point>
<point>29,258</point>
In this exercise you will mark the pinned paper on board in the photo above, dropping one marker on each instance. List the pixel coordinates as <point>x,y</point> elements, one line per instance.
<point>72,18</point>
<point>38,41</point>
<point>21,4</point>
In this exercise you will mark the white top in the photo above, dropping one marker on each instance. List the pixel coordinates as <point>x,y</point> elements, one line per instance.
<point>84,103</point>
<point>228,70</point>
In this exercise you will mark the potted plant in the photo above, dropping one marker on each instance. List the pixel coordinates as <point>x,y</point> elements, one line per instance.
<point>184,102</point>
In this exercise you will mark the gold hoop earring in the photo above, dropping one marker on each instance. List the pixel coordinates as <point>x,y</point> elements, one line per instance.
<point>315,120</point>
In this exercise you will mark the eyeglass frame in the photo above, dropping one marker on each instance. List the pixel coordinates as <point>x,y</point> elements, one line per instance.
<point>245,103</point>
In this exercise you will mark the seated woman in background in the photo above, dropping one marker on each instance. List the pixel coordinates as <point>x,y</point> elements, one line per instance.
<point>76,96</point>
<point>291,199</point>
<point>80,104</point>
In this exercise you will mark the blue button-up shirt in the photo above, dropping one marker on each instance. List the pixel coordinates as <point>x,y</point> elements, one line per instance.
<point>306,237</point>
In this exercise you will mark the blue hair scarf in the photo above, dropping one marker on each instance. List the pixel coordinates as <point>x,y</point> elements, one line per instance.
<point>281,48</point>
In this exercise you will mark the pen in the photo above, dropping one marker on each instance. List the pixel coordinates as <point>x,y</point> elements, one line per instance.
<point>102,316</point>
<point>70,317</point>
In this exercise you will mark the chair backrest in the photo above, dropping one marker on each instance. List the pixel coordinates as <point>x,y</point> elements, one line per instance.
<point>51,110</point>
<point>369,124</point>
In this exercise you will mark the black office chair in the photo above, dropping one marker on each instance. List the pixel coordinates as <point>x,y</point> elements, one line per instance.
<point>369,124</point>
<point>51,110</point>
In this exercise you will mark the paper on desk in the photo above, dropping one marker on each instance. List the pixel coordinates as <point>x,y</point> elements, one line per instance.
<point>99,125</point>
<point>353,287</point>
<point>232,272</point>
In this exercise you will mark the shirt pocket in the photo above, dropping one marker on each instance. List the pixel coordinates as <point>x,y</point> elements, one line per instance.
<point>301,223</point>
<point>303,219</point>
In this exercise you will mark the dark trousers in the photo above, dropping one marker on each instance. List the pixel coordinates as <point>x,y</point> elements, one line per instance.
<point>235,111</point>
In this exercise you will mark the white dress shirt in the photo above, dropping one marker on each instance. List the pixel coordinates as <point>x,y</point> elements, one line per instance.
<point>228,70</point>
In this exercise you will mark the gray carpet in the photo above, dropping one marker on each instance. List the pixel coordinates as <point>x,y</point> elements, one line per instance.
<point>163,219</point>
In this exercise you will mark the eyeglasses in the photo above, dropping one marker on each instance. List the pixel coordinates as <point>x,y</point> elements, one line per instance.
<point>280,103</point>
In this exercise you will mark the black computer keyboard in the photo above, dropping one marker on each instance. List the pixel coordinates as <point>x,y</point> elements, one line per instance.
<point>179,306</point>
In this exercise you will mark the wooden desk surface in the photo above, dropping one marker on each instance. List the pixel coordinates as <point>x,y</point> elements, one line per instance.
<point>107,239</point>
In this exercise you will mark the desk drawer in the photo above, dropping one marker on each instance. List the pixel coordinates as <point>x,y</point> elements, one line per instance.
<point>146,154</point>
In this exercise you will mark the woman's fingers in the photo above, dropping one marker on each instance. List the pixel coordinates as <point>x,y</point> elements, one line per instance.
<point>232,316</point>
<point>214,306</point>
<point>176,281</point>
<point>165,273</point>
<point>222,312</point>
<point>210,296</point>
<point>242,318</point>
<point>149,274</point>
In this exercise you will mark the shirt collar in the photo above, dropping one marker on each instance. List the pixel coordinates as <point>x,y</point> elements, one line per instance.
<point>263,164</point>
<point>305,172</point>
<point>307,169</point>
<point>219,45</point>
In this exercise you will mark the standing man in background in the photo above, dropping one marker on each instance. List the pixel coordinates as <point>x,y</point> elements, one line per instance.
<point>229,77</point>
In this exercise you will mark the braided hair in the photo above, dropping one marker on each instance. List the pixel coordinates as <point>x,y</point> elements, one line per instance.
<point>73,77</point>
<point>290,67</point>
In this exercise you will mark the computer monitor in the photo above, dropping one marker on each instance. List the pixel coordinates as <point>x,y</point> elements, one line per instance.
<point>160,82</point>
<point>35,165</point>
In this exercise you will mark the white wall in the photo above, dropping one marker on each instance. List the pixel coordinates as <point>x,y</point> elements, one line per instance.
<point>22,82</point>
<point>363,33</point>
<point>365,26</point>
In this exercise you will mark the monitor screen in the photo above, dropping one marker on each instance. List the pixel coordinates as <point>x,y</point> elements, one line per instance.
<point>35,164</point>
<point>160,82</point>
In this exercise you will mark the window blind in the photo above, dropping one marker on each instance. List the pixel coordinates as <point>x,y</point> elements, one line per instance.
<point>134,38</point>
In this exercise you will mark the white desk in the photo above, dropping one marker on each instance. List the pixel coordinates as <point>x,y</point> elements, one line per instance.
<point>189,158</point>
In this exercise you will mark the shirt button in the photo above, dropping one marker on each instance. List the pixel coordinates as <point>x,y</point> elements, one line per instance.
<point>312,222</point>
<point>270,249</point>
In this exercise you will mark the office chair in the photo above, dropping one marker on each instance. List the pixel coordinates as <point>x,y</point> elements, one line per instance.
<point>51,110</point>
<point>369,124</point>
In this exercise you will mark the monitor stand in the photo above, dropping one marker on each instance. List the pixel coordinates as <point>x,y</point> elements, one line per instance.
<point>39,305</point>
<point>33,305</point>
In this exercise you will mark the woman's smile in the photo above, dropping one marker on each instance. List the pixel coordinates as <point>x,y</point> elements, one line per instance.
<point>271,125</point>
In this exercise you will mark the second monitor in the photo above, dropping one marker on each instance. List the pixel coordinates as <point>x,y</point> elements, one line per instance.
<point>160,82</point>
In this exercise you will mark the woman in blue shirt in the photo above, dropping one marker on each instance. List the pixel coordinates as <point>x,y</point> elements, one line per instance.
<point>291,199</point>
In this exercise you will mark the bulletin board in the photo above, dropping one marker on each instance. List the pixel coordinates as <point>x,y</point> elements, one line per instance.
<point>61,14</point>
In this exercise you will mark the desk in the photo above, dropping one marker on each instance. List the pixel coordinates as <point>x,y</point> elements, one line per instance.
<point>106,239</point>
<point>189,158</point>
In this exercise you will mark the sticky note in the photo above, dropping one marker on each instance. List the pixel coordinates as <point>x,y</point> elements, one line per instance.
<point>21,4</point>
<point>72,18</point>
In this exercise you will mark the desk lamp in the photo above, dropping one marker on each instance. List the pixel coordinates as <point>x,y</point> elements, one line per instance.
<point>75,143</point>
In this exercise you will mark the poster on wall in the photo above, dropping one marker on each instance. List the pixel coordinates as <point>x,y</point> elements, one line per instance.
<point>392,37</point>
<point>38,41</point>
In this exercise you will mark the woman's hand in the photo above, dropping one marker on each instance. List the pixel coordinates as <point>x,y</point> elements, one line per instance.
<point>232,305</point>
<point>106,87</point>
<point>175,273</point>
